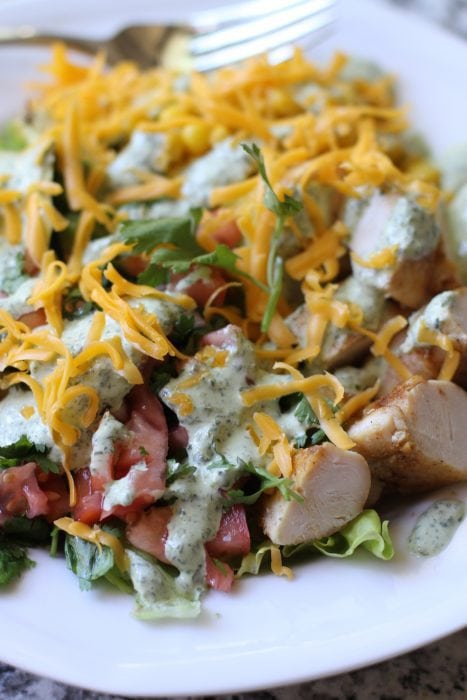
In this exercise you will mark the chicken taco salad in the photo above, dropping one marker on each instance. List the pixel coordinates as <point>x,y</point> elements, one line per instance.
<point>232,322</point>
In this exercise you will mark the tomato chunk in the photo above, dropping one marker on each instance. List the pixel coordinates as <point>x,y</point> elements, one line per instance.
<point>229,234</point>
<point>232,538</point>
<point>202,287</point>
<point>34,318</point>
<point>89,503</point>
<point>20,493</point>
<point>219,575</point>
<point>141,459</point>
<point>149,531</point>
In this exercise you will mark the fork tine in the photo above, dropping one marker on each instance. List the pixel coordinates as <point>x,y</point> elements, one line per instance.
<point>227,14</point>
<point>211,41</point>
<point>315,25</point>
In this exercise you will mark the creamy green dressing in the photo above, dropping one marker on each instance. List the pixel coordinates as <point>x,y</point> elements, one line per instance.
<point>103,443</point>
<point>122,492</point>
<point>14,424</point>
<point>11,276</point>
<point>222,165</point>
<point>145,152</point>
<point>17,303</point>
<point>435,527</point>
<point>25,168</point>
<point>217,425</point>
<point>433,316</point>
<point>408,226</point>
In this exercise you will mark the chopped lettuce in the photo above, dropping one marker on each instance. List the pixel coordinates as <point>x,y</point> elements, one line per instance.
<point>366,531</point>
<point>91,563</point>
<point>157,595</point>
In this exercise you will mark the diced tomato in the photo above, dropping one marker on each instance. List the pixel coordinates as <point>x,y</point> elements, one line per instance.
<point>232,538</point>
<point>55,489</point>
<point>149,531</point>
<point>229,234</point>
<point>88,502</point>
<point>219,575</point>
<point>133,265</point>
<point>20,493</point>
<point>201,289</point>
<point>148,443</point>
<point>34,318</point>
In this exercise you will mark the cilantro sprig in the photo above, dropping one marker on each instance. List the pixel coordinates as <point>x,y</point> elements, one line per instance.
<point>264,479</point>
<point>282,209</point>
<point>174,248</point>
<point>22,451</point>
<point>314,434</point>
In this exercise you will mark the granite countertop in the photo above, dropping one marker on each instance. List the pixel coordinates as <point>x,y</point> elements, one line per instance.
<point>438,670</point>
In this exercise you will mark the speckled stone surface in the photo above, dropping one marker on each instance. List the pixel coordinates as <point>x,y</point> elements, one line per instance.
<point>436,671</point>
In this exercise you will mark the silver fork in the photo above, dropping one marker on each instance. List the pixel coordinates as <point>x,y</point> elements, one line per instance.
<point>214,38</point>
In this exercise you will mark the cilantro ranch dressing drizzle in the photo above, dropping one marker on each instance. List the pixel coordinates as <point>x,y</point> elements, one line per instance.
<point>216,425</point>
<point>435,527</point>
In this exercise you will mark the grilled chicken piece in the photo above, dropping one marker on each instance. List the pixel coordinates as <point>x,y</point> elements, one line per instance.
<point>421,268</point>
<point>415,439</point>
<point>446,313</point>
<point>425,362</point>
<point>334,484</point>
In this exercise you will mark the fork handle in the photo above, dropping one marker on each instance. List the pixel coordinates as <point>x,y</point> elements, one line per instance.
<point>29,35</point>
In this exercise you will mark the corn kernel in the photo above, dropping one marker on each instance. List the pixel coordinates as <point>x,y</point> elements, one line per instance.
<point>172,112</point>
<point>219,133</point>
<point>175,146</point>
<point>281,102</point>
<point>196,138</point>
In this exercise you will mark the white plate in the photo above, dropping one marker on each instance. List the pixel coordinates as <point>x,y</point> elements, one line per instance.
<point>335,615</point>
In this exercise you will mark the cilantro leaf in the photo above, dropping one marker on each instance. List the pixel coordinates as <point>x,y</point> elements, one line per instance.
<point>305,414</point>
<point>14,561</point>
<point>147,234</point>
<point>175,471</point>
<point>282,209</point>
<point>154,276</point>
<point>266,481</point>
<point>158,380</point>
<point>22,451</point>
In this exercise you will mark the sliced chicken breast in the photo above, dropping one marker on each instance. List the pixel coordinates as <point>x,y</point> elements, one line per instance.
<point>415,438</point>
<point>334,484</point>
<point>420,268</point>
<point>447,314</point>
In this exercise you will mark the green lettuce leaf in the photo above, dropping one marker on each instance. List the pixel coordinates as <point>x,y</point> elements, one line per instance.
<point>157,596</point>
<point>252,562</point>
<point>366,531</point>
<point>91,563</point>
